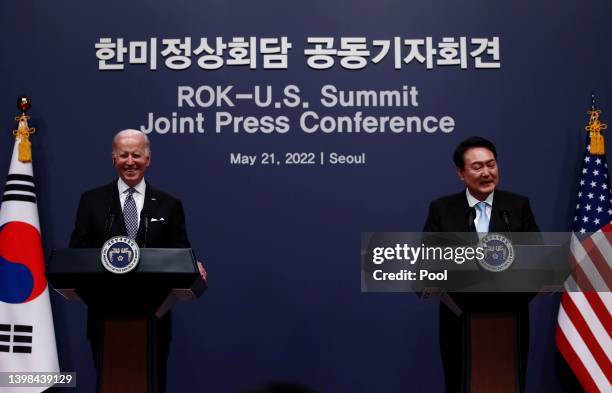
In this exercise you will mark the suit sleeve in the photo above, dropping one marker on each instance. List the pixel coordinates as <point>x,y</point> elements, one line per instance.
<point>178,230</point>
<point>81,234</point>
<point>432,223</point>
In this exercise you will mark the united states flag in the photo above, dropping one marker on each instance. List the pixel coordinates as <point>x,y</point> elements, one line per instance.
<point>584,323</point>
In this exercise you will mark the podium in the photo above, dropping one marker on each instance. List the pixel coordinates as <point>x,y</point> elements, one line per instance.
<point>127,308</point>
<point>484,322</point>
<point>491,312</point>
<point>494,323</point>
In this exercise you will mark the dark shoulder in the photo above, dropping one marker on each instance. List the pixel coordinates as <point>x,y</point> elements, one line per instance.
<point>509,197</point>
<point>98,193</point>
<point>445,214</point>
<point>458,199</point>
<point>162,196</point>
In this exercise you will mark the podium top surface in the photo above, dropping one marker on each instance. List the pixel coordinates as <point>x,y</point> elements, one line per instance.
<point>81,268</point>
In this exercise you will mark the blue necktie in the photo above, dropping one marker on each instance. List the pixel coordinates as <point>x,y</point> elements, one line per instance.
<point>482,225</point>
<point>130,214</point>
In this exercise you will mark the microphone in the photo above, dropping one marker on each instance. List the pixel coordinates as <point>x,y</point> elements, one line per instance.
<point>471,218</point>
<point>145,219</point>
<point>108,225</point>
<point>506,218</point>
<point>110,213</point>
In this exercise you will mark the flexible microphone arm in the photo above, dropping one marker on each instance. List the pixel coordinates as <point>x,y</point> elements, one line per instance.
<point>145,220</point>
<point>110,220</point>
<point>471,218</point>
<point>505,215</point>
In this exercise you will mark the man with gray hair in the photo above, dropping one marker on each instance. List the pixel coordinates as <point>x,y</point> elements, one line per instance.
<point>118,208</point>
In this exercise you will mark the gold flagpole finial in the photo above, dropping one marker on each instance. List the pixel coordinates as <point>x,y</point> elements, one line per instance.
<point>595,127</point>
<point>23,131</point>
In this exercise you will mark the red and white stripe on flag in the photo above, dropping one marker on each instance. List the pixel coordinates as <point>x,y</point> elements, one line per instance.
<point>27,336</point>
<point>585,314</point>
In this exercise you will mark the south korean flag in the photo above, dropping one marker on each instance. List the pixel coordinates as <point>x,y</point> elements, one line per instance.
<point>27,338</point>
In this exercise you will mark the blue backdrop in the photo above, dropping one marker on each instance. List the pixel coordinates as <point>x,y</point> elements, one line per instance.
<point>281,243</point>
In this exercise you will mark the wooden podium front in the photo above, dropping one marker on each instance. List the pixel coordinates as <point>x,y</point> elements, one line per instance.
<point>493,359</point>
<point>128,356</point>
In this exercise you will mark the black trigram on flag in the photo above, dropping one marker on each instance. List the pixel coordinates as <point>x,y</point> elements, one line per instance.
<point>19,337</point>
<point>19,188</point>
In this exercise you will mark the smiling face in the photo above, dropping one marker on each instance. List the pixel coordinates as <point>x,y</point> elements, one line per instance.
<point>479,173</point>
<point>131,156</point>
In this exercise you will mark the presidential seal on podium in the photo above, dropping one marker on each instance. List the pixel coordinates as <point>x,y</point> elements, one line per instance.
<point>498,252</point>
<point>120,254</point>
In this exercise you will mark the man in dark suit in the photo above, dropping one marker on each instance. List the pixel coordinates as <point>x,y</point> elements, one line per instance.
<point>480,208</point>
<point>130,206</point>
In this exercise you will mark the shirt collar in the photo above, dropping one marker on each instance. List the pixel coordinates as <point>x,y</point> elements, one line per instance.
<point>472,200</point>
<point>140,187</point>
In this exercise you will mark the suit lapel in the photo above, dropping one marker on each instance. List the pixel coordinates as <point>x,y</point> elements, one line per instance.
<point>151,201</point>
<point>466,230</point>
<point>496,224</point>
<point>463,215</point>
<point>119,228</point>
<point>149,208</point>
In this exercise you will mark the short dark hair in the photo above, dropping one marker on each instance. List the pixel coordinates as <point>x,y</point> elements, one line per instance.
<point>473,141</point>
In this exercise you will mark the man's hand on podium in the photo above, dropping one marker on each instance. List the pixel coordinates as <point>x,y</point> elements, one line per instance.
<point>203,273</point>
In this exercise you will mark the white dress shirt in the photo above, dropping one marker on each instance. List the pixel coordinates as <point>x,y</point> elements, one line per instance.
<point>472,201</point>
<point>138,195</point>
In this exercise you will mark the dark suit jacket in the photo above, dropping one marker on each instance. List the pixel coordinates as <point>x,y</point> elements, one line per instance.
<point>99,217</point>
<point>510,213</point>
<point>451,214</point>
